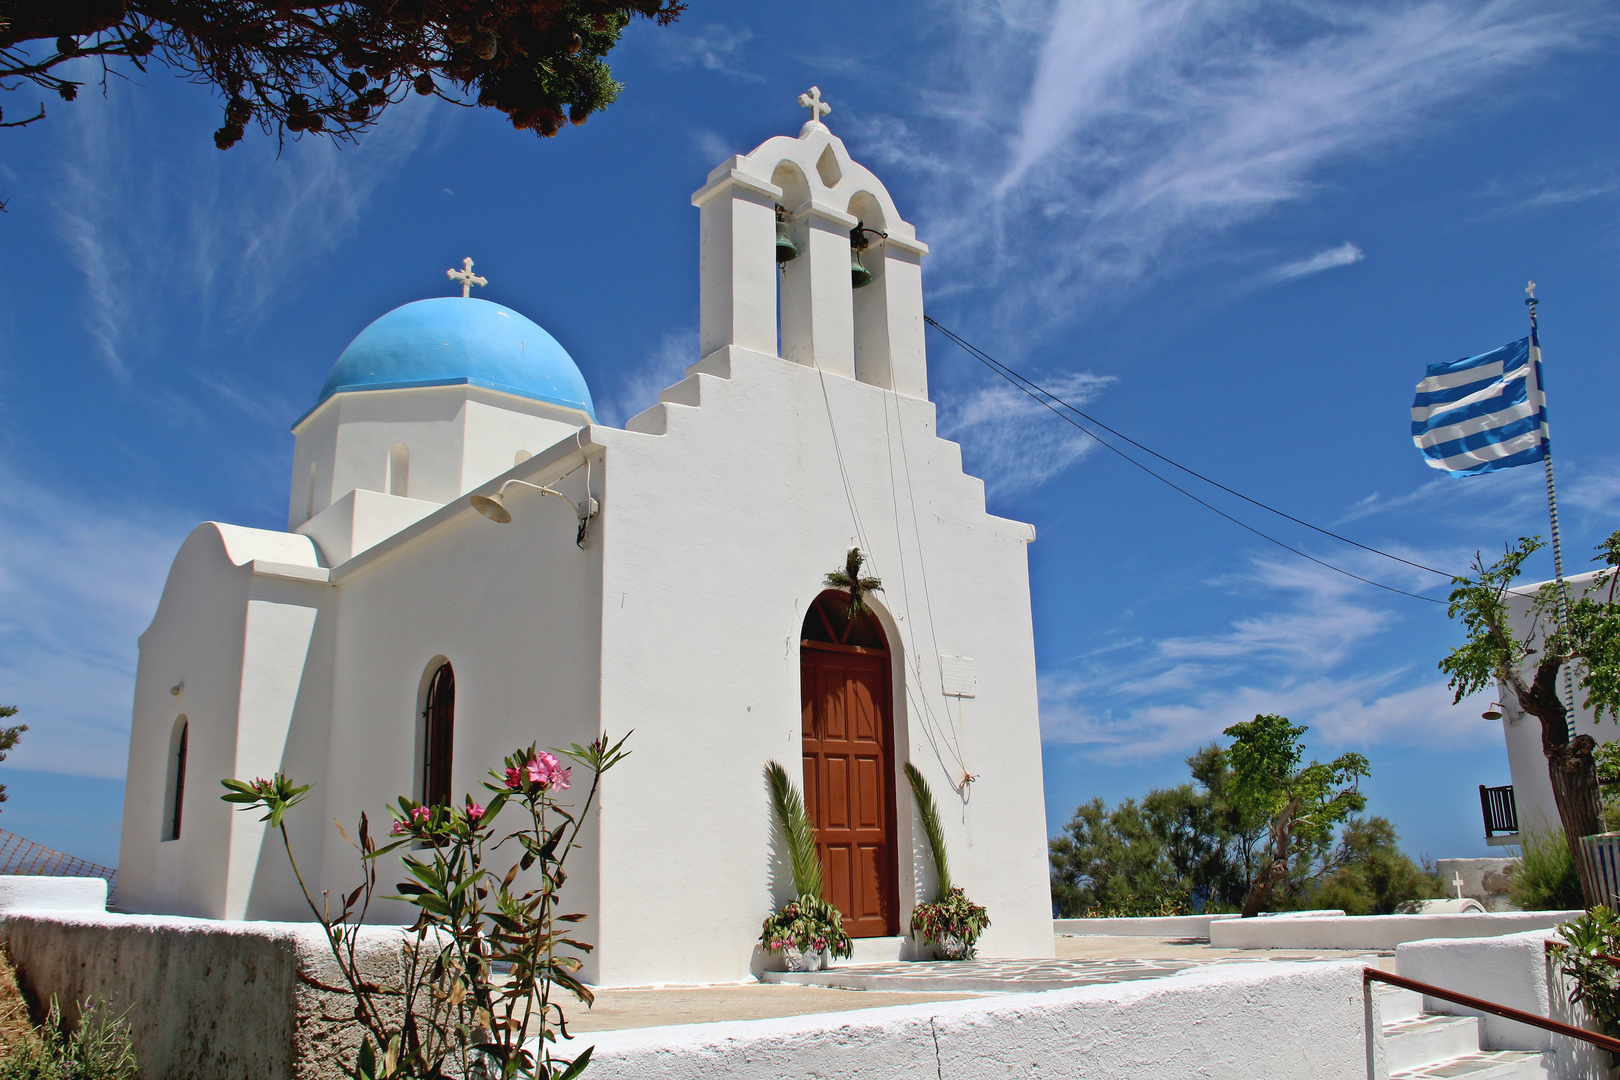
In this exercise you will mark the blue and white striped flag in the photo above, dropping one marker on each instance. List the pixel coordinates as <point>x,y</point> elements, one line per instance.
<point>1484,413</point>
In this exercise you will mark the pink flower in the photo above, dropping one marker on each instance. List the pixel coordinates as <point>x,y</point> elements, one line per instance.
<point>398,829</point>
<point>540,768</point>
<point>513,778</point>
<point>474,811</point>
<point>420,815</point>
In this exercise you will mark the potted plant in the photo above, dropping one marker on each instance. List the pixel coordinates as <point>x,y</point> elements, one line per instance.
<point>951,923</point>
<point>806,929</point>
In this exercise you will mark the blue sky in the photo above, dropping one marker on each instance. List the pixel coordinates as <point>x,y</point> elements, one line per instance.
<point>1237,230</point>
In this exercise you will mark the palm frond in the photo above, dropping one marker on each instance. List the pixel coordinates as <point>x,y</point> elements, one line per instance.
<point>931,827</point>
<point>801,837</point>
<point>850,580</point>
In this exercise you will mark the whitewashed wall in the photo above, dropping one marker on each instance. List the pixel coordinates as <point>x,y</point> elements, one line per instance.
<point>1279,1021</point>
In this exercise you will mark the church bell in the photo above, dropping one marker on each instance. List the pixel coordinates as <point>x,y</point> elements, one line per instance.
<point>786,249</point>
<point>859,275</point>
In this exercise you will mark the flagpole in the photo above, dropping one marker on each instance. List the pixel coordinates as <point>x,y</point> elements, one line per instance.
<point>1552,511</point>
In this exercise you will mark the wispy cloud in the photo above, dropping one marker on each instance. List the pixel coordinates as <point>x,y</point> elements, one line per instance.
<point>1343,255</point>
<point>1011,440</point>
<point>1166,697</point>
<point>224,234</point>
<point>714,47</point>
<point>79,580</point>
<point>1360,711</point>
<point>1150,127</point>
<point>663,367</point>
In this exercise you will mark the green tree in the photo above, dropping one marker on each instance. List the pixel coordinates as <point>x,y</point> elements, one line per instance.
<point>1495,655</point>
<point>332,68</point>
<point>8,738</point>
<point>1370,875</point>
<point>1303,804</point>
<point>1108,861</point>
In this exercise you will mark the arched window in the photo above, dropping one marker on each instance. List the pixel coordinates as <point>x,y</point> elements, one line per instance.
<point>399,469</point>
<point>177,778</point>
<point>438,736</point>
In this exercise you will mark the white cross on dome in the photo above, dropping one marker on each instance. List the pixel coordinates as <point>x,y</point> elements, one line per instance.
<point>467,278</point>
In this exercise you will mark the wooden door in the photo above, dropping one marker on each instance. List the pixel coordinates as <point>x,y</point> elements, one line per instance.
<point>848,779</point>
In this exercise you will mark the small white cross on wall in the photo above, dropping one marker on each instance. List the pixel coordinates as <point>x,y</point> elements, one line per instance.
<point>1457,883</point>
<point>813,102</point>
<point>467,278</point>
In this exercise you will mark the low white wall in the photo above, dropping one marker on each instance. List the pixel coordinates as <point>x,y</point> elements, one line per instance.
<point>20,892</point>
<point>1165,926</point>
<point>1512,970</point>
<point>1280,1021</point>
<point>205,1000</point>
<point>1373,931</point>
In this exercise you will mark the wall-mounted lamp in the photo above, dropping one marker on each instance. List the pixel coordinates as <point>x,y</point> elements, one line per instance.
<point>494,506</point>
<point>1494,712</point>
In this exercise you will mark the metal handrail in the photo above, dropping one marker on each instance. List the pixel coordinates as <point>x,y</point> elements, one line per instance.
<point>1556,1026</point>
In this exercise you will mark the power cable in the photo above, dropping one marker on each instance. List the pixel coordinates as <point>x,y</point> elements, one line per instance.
<point>1041,395</point>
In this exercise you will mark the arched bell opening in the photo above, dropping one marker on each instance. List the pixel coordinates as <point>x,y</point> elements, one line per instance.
<point>793,274</point>
<point>871,299</point>
<point>847,728</point>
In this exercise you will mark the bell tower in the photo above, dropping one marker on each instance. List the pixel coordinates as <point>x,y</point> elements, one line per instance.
<point>804,256</point>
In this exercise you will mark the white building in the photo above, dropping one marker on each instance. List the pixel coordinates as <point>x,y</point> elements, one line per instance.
<point>1530,793</point>
<point>395,640</point>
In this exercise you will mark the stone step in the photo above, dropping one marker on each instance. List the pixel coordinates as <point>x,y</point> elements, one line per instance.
<point>874,950</point>
<point>1411,1044</point>
<point>1481,1065</point>
<point>1396,1004</point>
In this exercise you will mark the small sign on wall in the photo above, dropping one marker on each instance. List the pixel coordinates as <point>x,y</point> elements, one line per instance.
<point>956,676</point>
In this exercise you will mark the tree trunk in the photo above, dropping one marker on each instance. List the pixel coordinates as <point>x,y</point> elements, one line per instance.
<point>1571,769</point>
<point>1275,871</point>
<point>1580,807</point>
<point>1259,897</point>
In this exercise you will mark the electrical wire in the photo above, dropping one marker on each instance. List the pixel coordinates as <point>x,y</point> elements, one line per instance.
<point>1046,397</point>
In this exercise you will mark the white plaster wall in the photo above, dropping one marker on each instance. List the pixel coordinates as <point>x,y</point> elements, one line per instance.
<point>1161,926</point>
<point>32,892</point>
<point>1372,931</point>
<point>1279,1021</point>
<point>195,640</point>
<point>514,608</point>
<point>458,437</point>
<point>362,519</point>
<point>1513,970</point>
<point>1532,789</point>
<point>747,502</point>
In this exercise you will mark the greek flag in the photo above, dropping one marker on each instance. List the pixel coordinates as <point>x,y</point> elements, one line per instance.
<point>1483,413</point>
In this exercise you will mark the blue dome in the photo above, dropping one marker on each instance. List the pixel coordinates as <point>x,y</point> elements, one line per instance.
<point>451,340</point>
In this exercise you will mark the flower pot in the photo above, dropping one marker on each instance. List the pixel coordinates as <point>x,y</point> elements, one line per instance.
<point>951,947</point>
<point>798,960</point>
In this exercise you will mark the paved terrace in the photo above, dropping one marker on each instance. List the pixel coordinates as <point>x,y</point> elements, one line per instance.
<point>1080,961</point>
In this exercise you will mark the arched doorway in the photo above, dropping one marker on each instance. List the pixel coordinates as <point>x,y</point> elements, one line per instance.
<point>848,727</point>
<point>438,736</point>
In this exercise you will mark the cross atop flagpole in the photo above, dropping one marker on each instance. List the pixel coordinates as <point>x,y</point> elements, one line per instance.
<point>1552,505</point>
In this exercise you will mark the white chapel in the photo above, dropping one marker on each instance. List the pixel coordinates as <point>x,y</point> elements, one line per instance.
<point>396,639</point>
